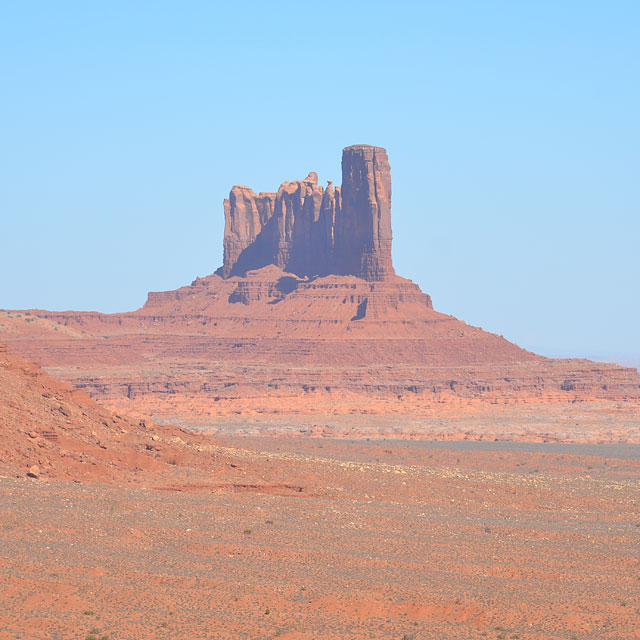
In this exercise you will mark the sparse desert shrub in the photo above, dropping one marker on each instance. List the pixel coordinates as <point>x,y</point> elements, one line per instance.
<point>247,532</point>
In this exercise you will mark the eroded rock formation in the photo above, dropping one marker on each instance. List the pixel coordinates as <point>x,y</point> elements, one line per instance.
<point>311,231</point>
<point>363,225</point>
<point>307,317</point>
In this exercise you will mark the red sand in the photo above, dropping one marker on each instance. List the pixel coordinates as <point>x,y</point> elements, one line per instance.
<point>169,534</point>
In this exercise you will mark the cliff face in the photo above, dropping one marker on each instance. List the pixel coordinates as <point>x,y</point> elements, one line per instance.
<point>311,231</point>
<point>246,214</point>
<point>363,226</point>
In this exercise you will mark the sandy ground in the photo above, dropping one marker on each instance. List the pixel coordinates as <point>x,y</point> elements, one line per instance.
<point>585,422</point>
<point>381,539</point>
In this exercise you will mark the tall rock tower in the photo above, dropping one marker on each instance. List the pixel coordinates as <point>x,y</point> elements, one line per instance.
<point>311,231</point>
<point>363,226</point>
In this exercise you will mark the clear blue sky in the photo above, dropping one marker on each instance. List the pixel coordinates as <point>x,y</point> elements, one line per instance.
<point>513,131</point>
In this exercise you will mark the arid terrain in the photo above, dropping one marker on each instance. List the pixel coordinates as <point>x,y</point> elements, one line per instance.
<point>307,322</point>
<point>128,530</point>
<point>298,446</point>
<point>378,540</point>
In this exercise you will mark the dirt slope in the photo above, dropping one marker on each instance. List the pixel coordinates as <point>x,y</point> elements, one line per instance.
<point>47,424</point>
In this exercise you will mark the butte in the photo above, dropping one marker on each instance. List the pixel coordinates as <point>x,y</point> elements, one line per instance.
<point>306,322</point>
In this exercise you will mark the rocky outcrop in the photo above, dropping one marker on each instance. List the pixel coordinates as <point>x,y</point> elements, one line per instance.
<point>246,214</point>
<point>306,316</point>
<point>287,229</point>
<point>363,226</point>
<point>311,231</point>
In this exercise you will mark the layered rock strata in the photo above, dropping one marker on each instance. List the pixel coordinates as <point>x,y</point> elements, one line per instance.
<point>271,344</point>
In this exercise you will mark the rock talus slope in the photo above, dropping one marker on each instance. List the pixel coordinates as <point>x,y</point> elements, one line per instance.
<point>306,316</point>
<point>55,431</point>
<point>51,431</point>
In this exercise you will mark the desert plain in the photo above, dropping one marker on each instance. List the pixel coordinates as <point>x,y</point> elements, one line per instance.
<point>115,527</point>
<point>365,539</point>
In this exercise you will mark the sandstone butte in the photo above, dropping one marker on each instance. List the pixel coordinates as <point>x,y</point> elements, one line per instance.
<point>306,320</point>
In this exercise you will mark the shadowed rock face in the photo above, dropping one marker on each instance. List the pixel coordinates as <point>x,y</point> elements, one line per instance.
<point>363,227</point>
<point>311,231</point>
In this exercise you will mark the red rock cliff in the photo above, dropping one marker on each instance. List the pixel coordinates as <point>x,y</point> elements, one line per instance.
<point>363,227</point>
<point>310,231</point>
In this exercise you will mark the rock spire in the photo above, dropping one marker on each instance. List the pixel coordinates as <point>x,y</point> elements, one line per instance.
<point>311,231</point>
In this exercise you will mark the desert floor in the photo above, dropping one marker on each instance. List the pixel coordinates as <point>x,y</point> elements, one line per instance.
<point>379,539</point>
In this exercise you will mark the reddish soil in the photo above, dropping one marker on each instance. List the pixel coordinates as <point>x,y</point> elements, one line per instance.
<point>585,422</point>
<point>382,541</point>
<point>47,424</point>
<point>170,534</point>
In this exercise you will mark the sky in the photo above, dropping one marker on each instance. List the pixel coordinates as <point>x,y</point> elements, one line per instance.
<point>512,128</point>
